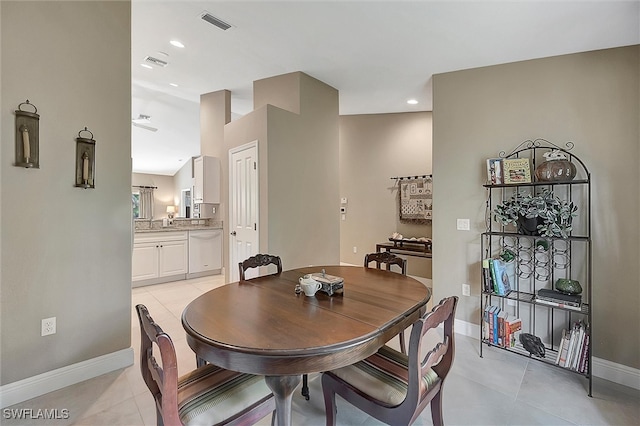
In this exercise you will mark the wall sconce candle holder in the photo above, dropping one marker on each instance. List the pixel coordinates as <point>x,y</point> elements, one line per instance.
<point>85,160</point>
<point>27,137</point>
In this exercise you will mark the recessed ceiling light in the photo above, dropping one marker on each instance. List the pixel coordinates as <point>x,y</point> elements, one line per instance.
<point>412,102</point>
<point>173,84</point>
<point>176,43</point>
<point>146,66</point>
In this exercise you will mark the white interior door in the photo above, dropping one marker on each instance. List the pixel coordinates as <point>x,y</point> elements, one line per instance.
<point>243,207</point>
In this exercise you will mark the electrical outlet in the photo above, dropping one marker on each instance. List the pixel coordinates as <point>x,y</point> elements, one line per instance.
<point>466,290</point>
<point>355,249</point>
<point>48,326</point>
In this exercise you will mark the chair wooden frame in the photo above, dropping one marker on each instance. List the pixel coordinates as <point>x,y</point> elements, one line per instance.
<point>388,259</point>
<point>439,359</point>
<point>162,380</point>
<point>259,260</point>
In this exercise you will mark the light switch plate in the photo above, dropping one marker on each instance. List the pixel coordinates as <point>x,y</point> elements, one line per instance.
<point>463,224</point>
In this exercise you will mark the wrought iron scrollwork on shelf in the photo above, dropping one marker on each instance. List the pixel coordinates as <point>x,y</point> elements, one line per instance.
<point>536,143</point>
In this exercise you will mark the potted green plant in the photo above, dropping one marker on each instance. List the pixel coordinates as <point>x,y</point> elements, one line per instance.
<point>541,214</point>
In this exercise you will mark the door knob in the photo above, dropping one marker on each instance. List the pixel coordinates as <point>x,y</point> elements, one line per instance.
<point>233,233</point>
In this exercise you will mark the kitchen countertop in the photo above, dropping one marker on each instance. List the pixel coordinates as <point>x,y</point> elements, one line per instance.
<point>176,229</point>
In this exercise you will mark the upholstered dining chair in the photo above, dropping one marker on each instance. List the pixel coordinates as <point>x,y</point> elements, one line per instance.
<point>259,260</point>
<point>207,395</point>
<point>389,259</point>
<point>393,387</point>
<point>266,260</point>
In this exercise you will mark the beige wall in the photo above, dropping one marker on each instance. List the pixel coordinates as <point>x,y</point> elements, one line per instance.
<point>215,112</point>
<point>592,99</point>
<point>374,148</point>
<point>164,195</point>
<point>66,251</point>
<point>303,176</point>
<point>282,91</point>
<point>298,172</point>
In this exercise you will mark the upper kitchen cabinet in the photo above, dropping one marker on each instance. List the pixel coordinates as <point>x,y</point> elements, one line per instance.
<point>206,173</point>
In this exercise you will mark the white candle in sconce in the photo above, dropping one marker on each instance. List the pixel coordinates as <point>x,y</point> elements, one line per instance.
<point>85,167</point>
<point>26,146</point>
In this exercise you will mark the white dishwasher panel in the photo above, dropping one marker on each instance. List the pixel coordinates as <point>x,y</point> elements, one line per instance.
<point>205,250</point>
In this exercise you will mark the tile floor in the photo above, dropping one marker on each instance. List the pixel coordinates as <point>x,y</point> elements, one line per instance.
<point>498,389</point>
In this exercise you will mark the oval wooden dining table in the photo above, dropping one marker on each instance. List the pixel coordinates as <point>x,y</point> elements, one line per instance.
<point>261,326</point>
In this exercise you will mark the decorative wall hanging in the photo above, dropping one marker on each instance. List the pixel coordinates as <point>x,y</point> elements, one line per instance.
<point>85,161</point>
<point>416,197</point>
<point>27,137</point>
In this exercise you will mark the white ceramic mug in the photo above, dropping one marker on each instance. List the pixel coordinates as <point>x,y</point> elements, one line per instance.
<point>309,285</point>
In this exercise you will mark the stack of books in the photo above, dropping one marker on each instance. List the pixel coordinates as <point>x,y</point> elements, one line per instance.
<point>573,352</point>
<point>500,328</point>
<point>499,276</point>
<point>561,300</point>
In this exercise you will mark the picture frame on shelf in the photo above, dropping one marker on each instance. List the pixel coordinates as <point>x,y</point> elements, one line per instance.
<point>516,170</point>
<point>494,171</point>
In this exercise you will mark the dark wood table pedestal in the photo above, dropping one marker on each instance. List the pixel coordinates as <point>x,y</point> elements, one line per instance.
<point>283,388</point>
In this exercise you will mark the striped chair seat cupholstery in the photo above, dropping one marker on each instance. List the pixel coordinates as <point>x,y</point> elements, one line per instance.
<point>384,376</point>
<point>207,395</point>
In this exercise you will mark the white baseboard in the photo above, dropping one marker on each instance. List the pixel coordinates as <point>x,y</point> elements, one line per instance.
<point>617,373</point>
<point>204,274</point>
<point>31,387</point>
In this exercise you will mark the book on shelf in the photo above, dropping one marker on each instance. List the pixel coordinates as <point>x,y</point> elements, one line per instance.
<point>502,318</point>
<point>558,304</point>
<point>494,325</point>
<point>575,360</point>
<point>516,170</point>
<point>512,329</point>
<point>486,276</point>
<point>554,295</point>
<point>565,348</point>
<point>503,274</point>
<point>573,343</point>
<point>560,346</point>
<point>494,281</point>
<point>509,278</point>
<point>584,356</point>
<point>485,322</point>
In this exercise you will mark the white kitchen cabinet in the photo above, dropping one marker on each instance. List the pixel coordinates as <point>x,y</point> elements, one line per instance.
<point>159,257</point>
<point>206,174</point>
<point>205,252</point>
<point>145,261</point>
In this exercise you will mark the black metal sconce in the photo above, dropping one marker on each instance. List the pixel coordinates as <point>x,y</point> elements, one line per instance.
<point>27,137</point>
<point>85,160</point>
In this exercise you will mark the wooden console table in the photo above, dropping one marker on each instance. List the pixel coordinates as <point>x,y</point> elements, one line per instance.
<point>407,248</point>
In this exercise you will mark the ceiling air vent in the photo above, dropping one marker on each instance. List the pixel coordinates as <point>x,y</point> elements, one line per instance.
<point>206,16</point>
<point>156,61</point>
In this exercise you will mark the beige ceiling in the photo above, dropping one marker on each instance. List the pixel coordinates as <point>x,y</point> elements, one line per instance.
<point>378,54</point>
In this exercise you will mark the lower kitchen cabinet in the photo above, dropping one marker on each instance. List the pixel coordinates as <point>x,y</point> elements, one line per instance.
<point>159,257</point>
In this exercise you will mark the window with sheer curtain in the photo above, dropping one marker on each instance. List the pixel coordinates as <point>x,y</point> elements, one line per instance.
<point>142,203</point>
